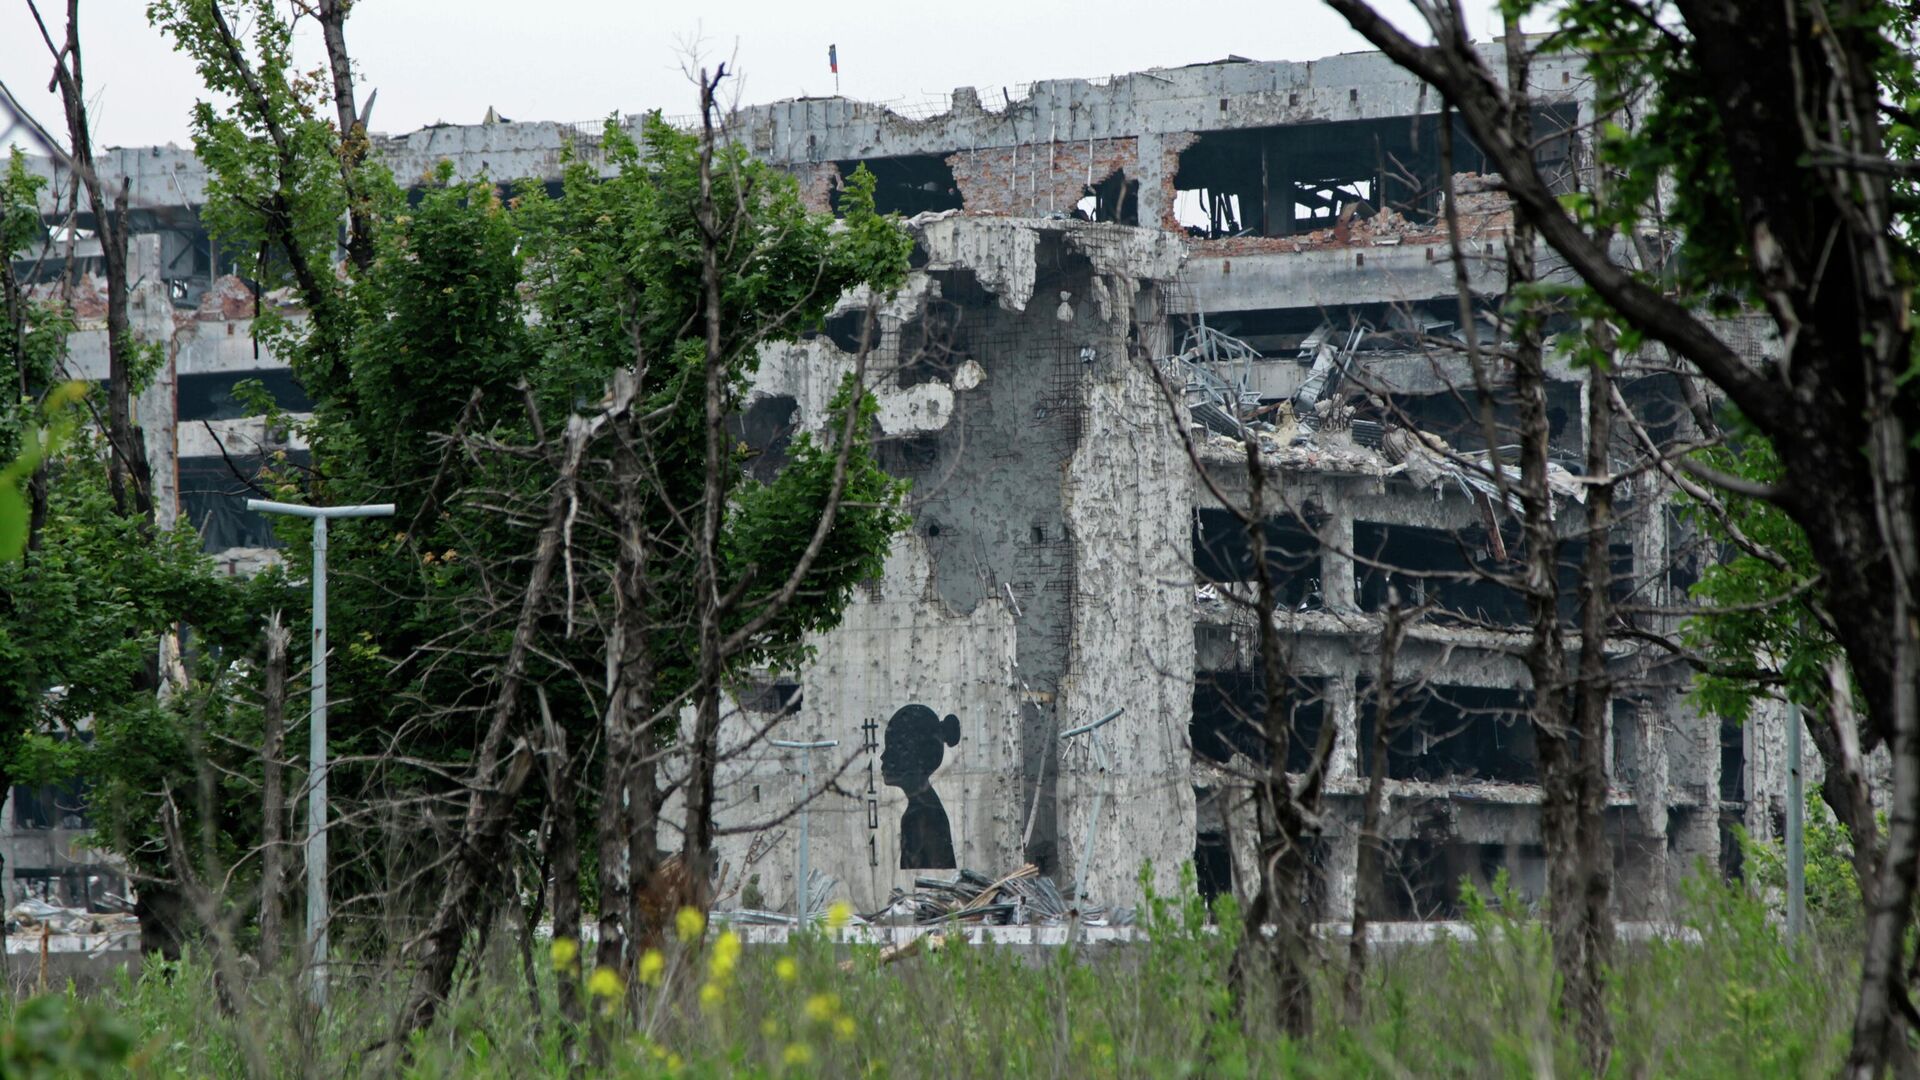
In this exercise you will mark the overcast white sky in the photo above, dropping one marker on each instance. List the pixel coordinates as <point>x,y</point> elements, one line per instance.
<point>578,60</point>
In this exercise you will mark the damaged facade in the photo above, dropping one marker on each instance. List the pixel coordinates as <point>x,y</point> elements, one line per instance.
<point>1269,237</point>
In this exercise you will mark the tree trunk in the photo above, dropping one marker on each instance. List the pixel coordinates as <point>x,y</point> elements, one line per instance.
<point>1572,825</point>
<point>627,788</point>
<point>1370,865</point>
<point>353,133</point>
<point>273,798</point>
<point>128,476</point>
<point>1286,819</point>
<point>467,895</point>
<point>563,853</point>
<point>709,604</point>
<point>1582,918</point>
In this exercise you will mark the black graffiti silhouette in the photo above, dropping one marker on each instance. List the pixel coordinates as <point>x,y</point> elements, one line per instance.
<point>915,735</point>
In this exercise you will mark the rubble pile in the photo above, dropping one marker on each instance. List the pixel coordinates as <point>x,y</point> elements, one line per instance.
<point>34,924</point>
<point>1022,898</point>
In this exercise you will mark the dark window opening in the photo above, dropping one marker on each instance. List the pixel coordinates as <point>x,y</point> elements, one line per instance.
<point>1229,711</point>
<point>214,499</point>
<point>1423,876</point>
<point>1446,569</point>
<point>766,426</point>
<point>1285,332</point>
<point>1212,851</point>
<point>1213,866</point>
<point>846,329</point>
<point>96,889</point>
<point>1453,733</point>
<point>928,349</point>
<point>1626,744</point>
<point>1462,575</point>
<point>52,806</point>
<point>1733,762</point>
<point>781,697</point>
<point>1222,553</point>
<point>1733,858</point>
<point>907,455</point>
<point>909,185</point>
<point>210,396</point>
<point>1456,417</point>
<point>1115,199</point>
<point>1279,180</point>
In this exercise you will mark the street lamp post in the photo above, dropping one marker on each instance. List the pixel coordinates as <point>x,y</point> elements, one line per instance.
<point>802,909</point>
<point>316,846</point>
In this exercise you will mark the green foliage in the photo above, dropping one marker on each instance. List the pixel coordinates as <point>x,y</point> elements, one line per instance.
<point>1757,623</point>
<point>1833,892</point>
<point>84,607</point>
<point>35,446</point>
<point>60,1037</point>
<point>473,307</point>
<point>1722,998</point>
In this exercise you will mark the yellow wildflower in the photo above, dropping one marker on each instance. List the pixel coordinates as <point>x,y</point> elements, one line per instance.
<point>797,1054</point>
<point>839,913</point>
<point>787,969</point>
<point>674,1062</point>
<point>768,1027</point>
<point>652,966</point>
<point>822,1007</point>
<point>690,923</point>
<point>843,1028</point>
<point>565,951</point>
<point>726,952</point>
<point>711,996</point>
<point>604,983</point>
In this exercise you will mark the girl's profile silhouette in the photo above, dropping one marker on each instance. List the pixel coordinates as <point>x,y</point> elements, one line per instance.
<point>913,752</point>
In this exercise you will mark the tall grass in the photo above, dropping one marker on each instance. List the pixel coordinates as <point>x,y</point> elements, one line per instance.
<point>1733,1001</point>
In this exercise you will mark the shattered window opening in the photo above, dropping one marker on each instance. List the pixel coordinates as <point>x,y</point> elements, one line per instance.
<point>907,185</point>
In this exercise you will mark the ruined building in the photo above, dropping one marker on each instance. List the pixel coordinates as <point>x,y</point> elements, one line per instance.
<point>1270,239</point>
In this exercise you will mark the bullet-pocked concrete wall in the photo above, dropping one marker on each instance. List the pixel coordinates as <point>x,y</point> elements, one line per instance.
<point>1042,582</point>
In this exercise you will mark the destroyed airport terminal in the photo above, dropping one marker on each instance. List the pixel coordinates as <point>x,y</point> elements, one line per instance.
<point>1272,240</point>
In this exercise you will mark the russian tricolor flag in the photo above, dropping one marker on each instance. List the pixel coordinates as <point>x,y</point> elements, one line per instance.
<point>833,58</point>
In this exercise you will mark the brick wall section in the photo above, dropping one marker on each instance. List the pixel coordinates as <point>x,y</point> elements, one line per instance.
<point>1170,148</point>
<point>1035,179</point>
<point>817,182</point>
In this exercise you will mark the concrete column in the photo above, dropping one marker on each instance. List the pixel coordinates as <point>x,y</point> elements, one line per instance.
<point>1343,711</point>
<point>1343,864</point>
<point>1153,196</point>
<point>1336,562</point>
<point>1692,837</point>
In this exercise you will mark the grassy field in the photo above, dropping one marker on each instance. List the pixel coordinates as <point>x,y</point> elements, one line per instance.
<point>1734,1002</point>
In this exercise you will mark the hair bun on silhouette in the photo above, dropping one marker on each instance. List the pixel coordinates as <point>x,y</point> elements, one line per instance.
<point>950,730</point>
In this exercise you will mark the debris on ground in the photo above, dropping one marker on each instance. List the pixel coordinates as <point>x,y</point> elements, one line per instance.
<point>1024,897</point>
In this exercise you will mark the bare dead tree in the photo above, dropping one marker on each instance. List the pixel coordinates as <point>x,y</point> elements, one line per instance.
<point>273,799</point>
<point>1370,863</point>
<point>466,900</point>
<point>129,477</point>
<point>1287,815</point>
<point>353,147</point>
<point>1793,90</point>
<point>703,752</point>
<point>563,847</point>
<point>1568,737</point>
<point>630,796</point>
